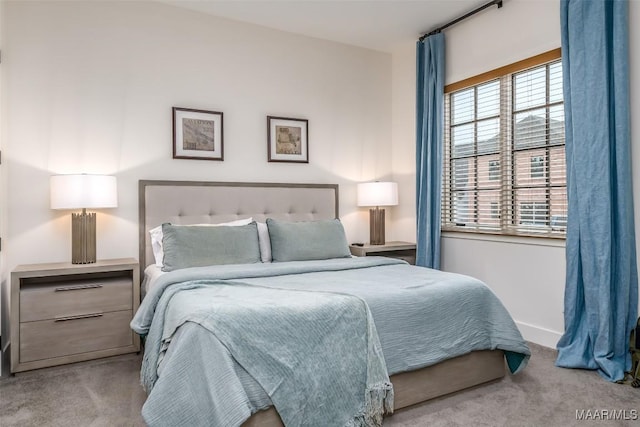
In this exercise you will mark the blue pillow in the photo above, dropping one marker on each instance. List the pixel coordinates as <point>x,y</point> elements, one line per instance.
<point>199,246</point>
<point>307,240</point>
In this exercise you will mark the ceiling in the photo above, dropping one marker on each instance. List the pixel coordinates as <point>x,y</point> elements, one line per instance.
<point>374,24</point>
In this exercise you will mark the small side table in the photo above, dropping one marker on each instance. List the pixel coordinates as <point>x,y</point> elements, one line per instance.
<point>401,250</point>
<point>64,313</point>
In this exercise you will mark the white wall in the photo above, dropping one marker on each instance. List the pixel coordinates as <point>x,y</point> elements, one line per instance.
<point>529,279</point>
<point>403,142</point>
<point>90,85</point>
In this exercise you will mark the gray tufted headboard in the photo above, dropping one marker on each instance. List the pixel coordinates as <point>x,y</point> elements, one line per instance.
<point>198,202</point>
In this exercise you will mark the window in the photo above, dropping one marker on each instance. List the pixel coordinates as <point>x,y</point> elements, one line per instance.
<point>495,210</point>
<point>494,170</point>
<point>537,167</point>
<point>504,166</point>
<point>534,213</point>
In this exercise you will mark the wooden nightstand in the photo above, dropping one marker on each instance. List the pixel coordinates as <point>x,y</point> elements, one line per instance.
<point>64,313</point>
<point>402,250</point>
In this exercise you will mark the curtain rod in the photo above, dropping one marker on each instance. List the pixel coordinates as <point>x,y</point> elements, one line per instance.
<point>455,21</point>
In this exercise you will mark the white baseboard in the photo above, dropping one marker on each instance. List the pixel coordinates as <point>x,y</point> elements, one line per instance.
<point>538,335</point>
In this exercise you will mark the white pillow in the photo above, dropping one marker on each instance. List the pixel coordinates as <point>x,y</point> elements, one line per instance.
<point>156,236</point>
<point>264,242</point>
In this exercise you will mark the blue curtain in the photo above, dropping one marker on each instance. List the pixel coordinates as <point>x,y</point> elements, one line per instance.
<point>429,133</point>
<point>601,294</point>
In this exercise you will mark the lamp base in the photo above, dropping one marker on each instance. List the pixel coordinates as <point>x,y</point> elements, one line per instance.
<point>376,226</point>
<point>83,238</point>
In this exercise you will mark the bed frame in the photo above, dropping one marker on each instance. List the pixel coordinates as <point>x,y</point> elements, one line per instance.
<point>197,202</point>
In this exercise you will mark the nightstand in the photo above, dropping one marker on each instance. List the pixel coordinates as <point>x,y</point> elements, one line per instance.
<point>64,313</point>
<point>401,250</point>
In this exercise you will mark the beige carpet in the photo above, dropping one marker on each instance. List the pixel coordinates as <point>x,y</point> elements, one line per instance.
<point>106,392</point>
<point>542,395</point>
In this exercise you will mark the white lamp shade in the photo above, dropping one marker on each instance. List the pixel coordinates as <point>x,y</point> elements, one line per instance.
<point>378,194</point>
<point>83,191</point>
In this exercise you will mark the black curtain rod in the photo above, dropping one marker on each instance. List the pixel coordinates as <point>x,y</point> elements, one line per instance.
<point>455,21</point>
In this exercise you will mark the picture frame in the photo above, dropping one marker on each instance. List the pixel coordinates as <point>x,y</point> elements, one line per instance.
<point>287,140</point>
<point>197,134</point>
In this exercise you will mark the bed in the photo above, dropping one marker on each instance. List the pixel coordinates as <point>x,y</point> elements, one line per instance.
<point>171,369</point>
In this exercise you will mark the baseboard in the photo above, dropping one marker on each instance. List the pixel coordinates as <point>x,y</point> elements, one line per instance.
<point>538,335</point>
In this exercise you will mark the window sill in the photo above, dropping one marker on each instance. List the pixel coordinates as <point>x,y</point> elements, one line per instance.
<point>556,242</point>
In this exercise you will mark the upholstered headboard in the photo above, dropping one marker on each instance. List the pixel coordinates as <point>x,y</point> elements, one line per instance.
<point>197,202</point>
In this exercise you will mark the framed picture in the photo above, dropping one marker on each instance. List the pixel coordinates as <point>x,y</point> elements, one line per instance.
<point>288,139</point>
<point>197,134</point>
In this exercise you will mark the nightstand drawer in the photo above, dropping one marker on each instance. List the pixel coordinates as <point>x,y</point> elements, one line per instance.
<point>49,300</point>
<point>70,335</point>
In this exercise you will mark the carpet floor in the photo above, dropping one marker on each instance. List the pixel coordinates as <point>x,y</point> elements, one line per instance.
<point>107,392</point>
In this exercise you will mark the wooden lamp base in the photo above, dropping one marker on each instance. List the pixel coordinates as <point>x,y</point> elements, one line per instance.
<point>83,238</point>
<point>376,226</point>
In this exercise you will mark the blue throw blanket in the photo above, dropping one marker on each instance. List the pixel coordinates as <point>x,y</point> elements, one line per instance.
<point>316,354</point>
<point>422,317</point>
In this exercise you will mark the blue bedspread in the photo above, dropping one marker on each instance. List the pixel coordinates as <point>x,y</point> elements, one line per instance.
<point>421,316</point>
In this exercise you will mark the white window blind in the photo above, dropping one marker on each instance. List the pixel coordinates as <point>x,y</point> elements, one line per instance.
<point>504,165</point>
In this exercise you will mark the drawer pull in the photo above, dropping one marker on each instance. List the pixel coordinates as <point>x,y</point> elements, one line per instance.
<point>80,316</point>
<point>78,287</point>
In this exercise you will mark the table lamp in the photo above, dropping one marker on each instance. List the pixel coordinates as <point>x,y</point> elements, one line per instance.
<point>84,192</point>
<point>377,194</point>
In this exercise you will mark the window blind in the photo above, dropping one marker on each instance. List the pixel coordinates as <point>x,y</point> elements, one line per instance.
<point>504,156</point>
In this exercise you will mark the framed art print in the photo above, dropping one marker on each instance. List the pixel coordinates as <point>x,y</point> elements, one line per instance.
<point>287,140</point>
<point>197,134</point>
